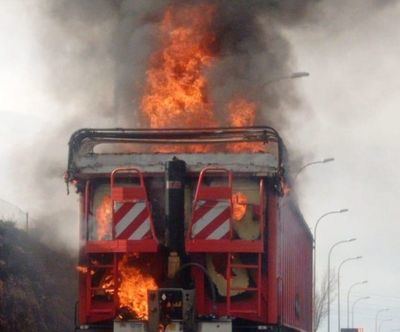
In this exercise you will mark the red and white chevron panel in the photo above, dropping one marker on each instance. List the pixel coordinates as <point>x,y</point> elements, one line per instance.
<point>211,220</point>
<point>131,221</point>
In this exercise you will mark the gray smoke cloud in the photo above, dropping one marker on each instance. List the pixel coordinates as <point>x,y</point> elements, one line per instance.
<point>352,49</point>
<point>94,56</point>
<point>97,52</point>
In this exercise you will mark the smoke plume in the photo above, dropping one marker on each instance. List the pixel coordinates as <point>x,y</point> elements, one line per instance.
<point>95,55</point>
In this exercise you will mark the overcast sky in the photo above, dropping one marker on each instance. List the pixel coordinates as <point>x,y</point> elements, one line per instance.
<point>24,105</point>
<point>353,56</point>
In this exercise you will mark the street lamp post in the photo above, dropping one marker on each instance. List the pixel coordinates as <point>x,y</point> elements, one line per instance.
<point>353,307</point>
<point>329,277</point>
<point>299,74</point>
<point>382,321</point>
<point>322,161</point>
<point>377,315</point>
<point>338,283</point>
<point>292,76</point>
<point>315,254</point>
<point>348,299</point>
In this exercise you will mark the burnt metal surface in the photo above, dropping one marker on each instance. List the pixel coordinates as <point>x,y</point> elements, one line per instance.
<point>94,165</point>
<point>83,160</point>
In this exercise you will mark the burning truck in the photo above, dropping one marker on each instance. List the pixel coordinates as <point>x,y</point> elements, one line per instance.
<point>191,229</point>
<point>188,230</point>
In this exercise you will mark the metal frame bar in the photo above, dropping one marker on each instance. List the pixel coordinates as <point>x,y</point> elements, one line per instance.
<point>138,173</point>
<point>83,141</point>
<point>228,187</point>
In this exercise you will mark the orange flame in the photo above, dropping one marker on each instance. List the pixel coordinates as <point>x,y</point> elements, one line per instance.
<point>242,113</point>
<point>107,284</point>
<point>133,288</point>
<point>176,93</point>
<point>239,203</point>
<point>104,217</point>
<point>82,269</point>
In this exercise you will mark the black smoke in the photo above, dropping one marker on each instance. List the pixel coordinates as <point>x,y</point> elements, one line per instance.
<point>94,55</point>
<point>100,50</point>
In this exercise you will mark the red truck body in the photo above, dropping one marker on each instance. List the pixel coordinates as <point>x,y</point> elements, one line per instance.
<point>254,272</point>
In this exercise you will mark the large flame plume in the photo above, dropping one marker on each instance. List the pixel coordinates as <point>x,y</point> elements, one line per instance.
<point>132,291</point>
<point>177,88</point>
<point>176,94</point>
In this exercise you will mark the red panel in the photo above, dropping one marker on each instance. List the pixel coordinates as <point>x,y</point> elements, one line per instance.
<point>82,256</point>
<point>214,193</point>
<point>128,197</point>
<point>295,268</point>
<point>121,194</point>
<point>287,284</point>
<point>84,207</point>
<point>122,246</point>
<point>224,246</point>
<point>286,278</point>
<point>272,263</point>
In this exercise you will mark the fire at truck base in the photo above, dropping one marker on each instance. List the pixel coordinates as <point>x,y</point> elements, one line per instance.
<point>188,230</point>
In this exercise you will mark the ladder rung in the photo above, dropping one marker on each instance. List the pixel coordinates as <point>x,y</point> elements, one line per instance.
<point>242,311</point>
<point>244,266</point>
<point>97,288</point>
<point>257,290</point>
<point>250,289</point>
<point>101,311</point>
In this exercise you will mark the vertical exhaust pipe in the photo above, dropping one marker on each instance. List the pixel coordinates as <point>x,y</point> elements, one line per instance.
<point>175,172</point>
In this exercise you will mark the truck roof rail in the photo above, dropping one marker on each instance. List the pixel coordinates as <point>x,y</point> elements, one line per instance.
<point>83,141</point>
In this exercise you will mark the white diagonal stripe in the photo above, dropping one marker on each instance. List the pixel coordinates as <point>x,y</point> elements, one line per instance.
<point>199,225</point>
<point>200,203</point>
<point>127,219</point>
<point>141,230</point>
<point>117,206</point>
<point>220,231</point>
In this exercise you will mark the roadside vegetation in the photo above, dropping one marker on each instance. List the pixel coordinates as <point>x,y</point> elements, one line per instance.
<point>37,284</point>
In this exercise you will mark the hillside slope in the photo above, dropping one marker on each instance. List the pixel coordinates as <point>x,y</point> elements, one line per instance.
<point>37,284</point>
